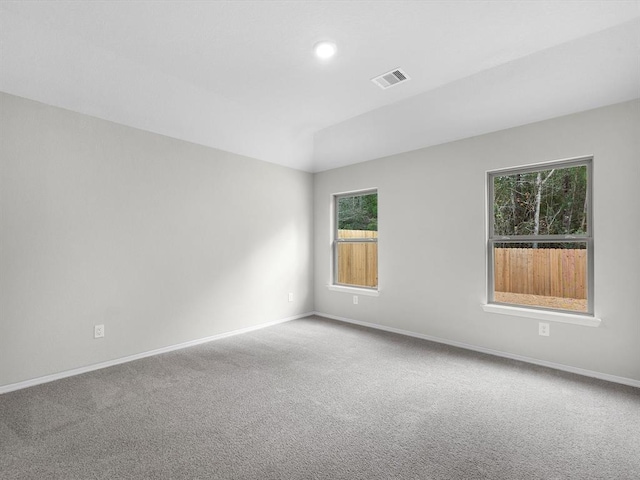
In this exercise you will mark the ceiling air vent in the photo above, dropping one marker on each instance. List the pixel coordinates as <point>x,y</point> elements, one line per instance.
<point>389,79</point>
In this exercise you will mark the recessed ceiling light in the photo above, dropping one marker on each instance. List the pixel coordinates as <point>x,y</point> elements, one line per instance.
<point>325,49</point>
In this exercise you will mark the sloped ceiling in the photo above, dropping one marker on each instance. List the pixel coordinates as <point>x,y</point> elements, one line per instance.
<point>241,76</point>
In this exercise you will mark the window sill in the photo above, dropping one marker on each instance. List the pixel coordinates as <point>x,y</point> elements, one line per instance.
<point>576,319</point>
<point>354,290</point>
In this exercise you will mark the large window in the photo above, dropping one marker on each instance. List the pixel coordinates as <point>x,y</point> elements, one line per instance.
<point>356,239</point>
<point>540,245</point>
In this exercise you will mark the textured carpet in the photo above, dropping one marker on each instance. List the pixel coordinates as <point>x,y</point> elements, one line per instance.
<point>318,399</point>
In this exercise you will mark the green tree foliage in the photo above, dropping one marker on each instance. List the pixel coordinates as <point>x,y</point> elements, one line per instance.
<point>547,202</point>
<point>358,212</point>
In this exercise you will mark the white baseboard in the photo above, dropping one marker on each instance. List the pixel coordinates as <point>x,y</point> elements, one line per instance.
<point>558,366</point>
<point>77,371</point>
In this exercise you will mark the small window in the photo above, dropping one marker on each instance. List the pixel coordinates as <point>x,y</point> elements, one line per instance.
<point>355,243</point>
<point>540,245</point>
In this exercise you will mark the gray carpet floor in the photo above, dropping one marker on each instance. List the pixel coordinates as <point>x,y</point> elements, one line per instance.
<point>318,399</point>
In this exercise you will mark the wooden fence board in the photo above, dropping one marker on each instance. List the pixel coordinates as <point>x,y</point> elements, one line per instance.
<point>358,262</point>
<point>535,271</point>
<point>541,271</point>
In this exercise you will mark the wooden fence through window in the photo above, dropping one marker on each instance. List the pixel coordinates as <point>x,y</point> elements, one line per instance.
<point>358,262</point>
<point>551,272</point>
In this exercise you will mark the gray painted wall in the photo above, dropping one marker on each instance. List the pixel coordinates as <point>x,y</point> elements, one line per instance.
<point>432,240</point>
<point>160,240</point>
<point>165,241</point>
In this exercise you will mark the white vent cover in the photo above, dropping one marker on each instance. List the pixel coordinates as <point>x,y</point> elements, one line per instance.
<point>389,79</point>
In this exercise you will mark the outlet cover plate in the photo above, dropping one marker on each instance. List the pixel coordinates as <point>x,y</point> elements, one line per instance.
<point>98,331</point>
<point>543,329</point>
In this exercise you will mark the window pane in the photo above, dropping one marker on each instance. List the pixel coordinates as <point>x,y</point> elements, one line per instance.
<point>356,260</point>
<point>358,216</point>
<point>541,274</point>
<point>546,202</point>
<point>358,263</point>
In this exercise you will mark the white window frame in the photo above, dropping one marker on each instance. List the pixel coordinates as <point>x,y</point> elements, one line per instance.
<point>531,311</point>
<point>342,287</point>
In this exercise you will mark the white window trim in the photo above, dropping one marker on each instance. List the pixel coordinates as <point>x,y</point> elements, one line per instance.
<point>332,285</point>
<point>548,315</point>
<point>354,290</point>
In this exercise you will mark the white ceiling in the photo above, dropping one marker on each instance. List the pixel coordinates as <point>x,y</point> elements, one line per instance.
<point>241,76</point>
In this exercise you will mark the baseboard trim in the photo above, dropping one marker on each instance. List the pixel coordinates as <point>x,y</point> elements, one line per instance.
<point>129,358</point>
<point>557,366</point>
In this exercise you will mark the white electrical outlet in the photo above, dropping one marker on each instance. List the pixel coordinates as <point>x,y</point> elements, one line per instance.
<point>290,297</point>
<point>543,329</point>
<point>98,331</point>
<point>355,299</point>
